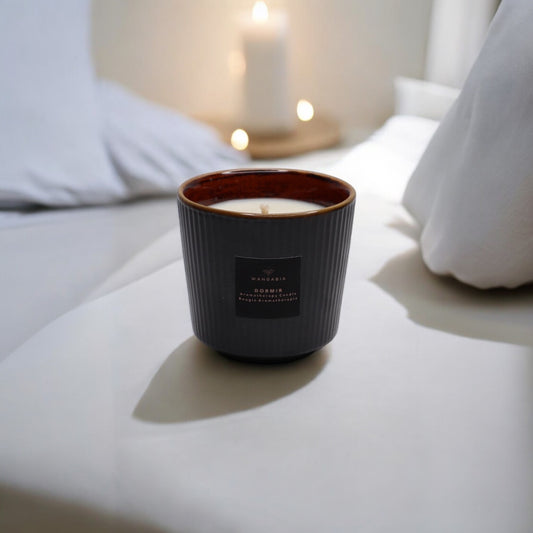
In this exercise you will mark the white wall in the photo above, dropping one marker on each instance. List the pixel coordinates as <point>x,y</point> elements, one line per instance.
<point>344,53</point>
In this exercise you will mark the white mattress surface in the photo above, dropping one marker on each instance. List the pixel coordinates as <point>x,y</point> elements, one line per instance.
<point>417,417</point>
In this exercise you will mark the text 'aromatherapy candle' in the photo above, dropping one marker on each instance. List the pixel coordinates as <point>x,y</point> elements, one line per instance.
<point>265,254</point>
<point>267,108</point>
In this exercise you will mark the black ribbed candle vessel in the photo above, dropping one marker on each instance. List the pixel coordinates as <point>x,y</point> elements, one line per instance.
<point>265,287</point>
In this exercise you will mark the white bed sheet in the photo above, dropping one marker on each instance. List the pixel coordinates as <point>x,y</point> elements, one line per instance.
<point>113,417</point>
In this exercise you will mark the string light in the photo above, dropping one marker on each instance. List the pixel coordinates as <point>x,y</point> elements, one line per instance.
<point>239,139</point>
<point>305,110</point>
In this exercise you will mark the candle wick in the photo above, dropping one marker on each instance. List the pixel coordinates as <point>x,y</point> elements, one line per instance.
<point>264,209</point>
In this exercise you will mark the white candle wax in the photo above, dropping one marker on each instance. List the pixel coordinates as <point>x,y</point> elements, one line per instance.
<point>267,206</point>
<point>266,100</point>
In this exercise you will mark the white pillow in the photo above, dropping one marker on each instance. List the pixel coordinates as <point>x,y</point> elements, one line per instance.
<point>472,191</point>
<point>152,148</point>
<point>51,151</point>
<point>422,98</point>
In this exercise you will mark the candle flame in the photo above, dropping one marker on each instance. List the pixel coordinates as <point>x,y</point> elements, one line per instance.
<point>239,139</point>
<point>260,12</point>
<point>305,110</point>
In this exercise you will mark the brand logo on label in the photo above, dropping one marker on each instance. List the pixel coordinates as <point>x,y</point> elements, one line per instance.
<point>267,287</point>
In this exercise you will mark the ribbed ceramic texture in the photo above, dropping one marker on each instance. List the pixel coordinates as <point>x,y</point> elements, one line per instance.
<point>211,241</point>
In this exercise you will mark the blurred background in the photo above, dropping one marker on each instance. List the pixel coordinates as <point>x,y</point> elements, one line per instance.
<point>357,61</point>
<point>344,54</point>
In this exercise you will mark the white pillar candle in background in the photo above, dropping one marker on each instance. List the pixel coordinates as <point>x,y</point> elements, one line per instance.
<point>267,206</point>
<point>266,101</point>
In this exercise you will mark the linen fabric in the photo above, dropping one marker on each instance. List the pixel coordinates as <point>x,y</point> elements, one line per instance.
<point>114,418</point>
<point>472,191</point>
<point>67,140</point>
<point>51,151</point>
<point>153,148</point>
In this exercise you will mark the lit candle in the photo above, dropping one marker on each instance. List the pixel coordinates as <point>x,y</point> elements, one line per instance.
<point>267,206</point>
<point>265,287</point>
<point>266,99</point>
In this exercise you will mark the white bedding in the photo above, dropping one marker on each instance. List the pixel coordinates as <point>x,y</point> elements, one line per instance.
<point>417,417</point>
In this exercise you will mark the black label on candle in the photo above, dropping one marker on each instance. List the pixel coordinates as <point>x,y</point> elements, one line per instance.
<point>267,288</point>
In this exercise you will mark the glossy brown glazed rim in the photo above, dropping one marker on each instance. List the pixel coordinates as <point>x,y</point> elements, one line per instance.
<point>328,191</point>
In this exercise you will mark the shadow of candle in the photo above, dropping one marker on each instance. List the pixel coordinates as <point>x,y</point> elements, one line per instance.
<point>195,383</point>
